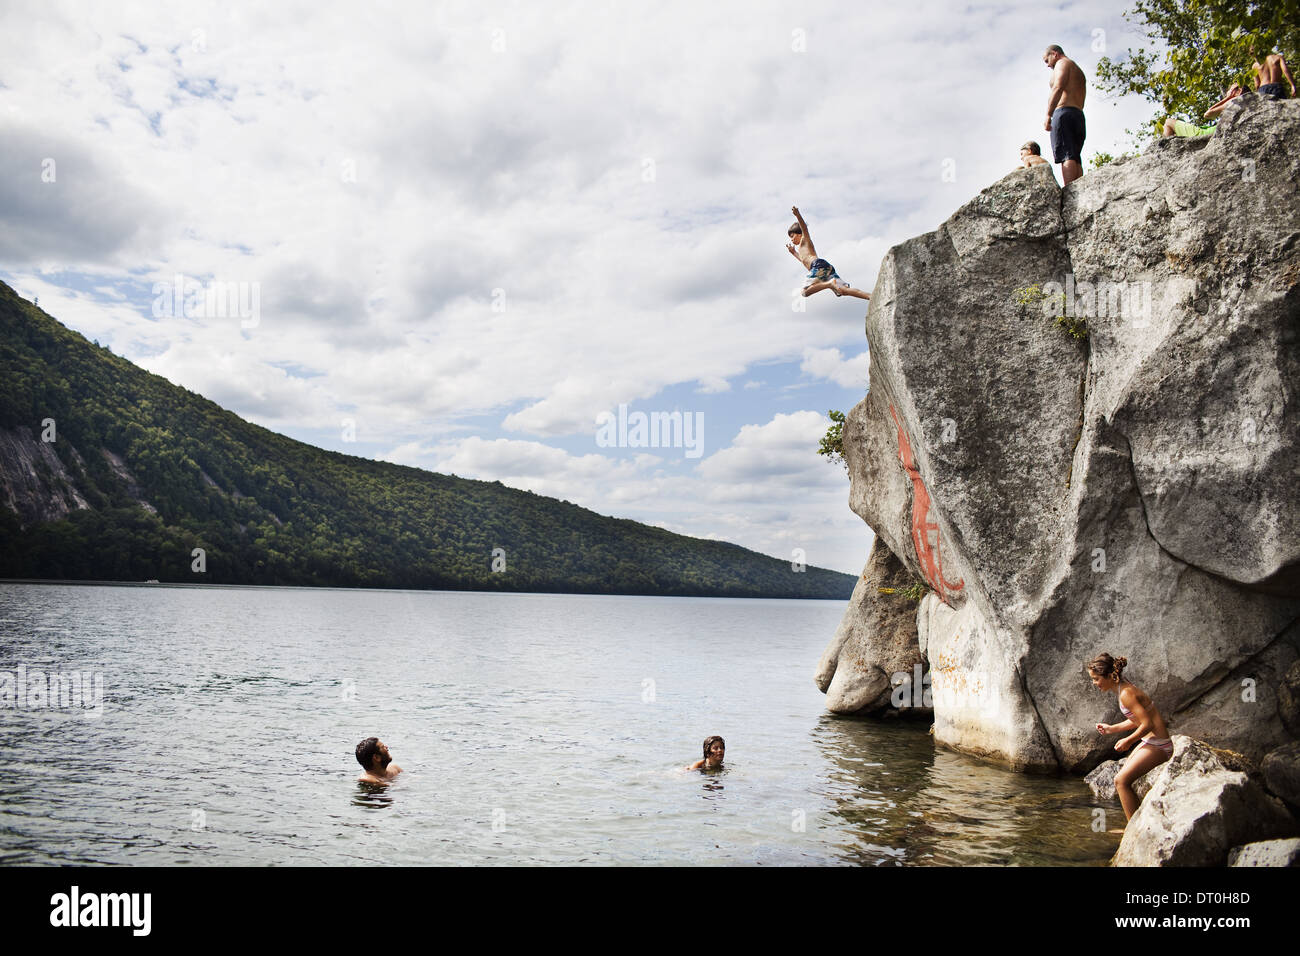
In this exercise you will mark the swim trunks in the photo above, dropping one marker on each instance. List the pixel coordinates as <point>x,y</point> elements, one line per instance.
<point>1191,130</point>
<point>820,271</point>
<point>1274,90</point>
<point>1068,132</point>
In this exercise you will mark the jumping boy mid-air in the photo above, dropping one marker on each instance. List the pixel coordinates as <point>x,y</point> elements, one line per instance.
<point>821,274</point>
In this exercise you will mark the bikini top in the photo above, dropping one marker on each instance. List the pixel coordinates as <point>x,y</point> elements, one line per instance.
<point>1128,714</point>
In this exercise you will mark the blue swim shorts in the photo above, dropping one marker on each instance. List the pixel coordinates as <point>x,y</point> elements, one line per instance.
<point>820,271</point>
<point>1068,132</point>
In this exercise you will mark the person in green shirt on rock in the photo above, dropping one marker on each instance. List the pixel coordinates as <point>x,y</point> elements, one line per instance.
<point>1177,127</point>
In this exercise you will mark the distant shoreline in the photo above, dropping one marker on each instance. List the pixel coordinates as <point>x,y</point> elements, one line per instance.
<point>310,587</point>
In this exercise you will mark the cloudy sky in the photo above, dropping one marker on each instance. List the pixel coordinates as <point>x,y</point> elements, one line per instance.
<point>459,232</point>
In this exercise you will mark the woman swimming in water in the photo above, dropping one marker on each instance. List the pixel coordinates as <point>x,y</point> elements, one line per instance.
<point>1141,717</point>
<point>714,750</point>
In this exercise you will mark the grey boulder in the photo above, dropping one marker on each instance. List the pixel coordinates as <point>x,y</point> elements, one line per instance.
<point>1131,493</point>
<point>1267,853</point>
<point>1197,810</point>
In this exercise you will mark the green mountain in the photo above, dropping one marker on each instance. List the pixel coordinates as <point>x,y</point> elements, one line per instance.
<point>140,473</point>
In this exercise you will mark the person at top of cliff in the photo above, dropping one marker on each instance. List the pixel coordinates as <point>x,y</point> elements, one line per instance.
<point>821,274</point>
<point>1269,74</point>
<point>1031,154</point>
<point>1177,127</point>
<point>1065,113</point>
<point>376,761</point>
<point>715,748</point>
<point>1142,722</point>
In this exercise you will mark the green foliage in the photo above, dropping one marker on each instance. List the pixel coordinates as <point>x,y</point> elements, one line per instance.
<point>916,591</point>
<point>1200,48</point>
<point>1100,159</point>
<point>1029,296</point>
<point>1033,296</point>
<point>913,592</point>
<point>1074,326</point>
<point>270,510</point>
<point>832,443</point>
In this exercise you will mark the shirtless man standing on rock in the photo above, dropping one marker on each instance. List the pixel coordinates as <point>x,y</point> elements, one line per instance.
<point>1065,113</point>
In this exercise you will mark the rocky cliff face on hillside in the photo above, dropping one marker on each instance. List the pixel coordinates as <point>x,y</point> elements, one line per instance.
<point>1132,491</point>
<point>34,484</point>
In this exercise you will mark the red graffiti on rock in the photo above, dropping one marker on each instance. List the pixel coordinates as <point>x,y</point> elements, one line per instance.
<point>927,553</point>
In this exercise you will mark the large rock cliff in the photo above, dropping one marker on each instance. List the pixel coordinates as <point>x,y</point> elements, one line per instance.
<point>1130,491</point>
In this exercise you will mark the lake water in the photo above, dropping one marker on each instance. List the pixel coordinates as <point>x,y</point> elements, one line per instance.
<point>532,728</point>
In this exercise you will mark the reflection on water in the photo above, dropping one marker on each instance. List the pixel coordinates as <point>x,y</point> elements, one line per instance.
<point>372,796</point>
<point>712,783</point>
<point>910,802</point>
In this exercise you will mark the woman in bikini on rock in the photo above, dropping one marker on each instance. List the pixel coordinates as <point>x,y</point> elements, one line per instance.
<point>1147,727</point>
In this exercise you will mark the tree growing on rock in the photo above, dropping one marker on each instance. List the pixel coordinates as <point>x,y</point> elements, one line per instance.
<point>832,443</point>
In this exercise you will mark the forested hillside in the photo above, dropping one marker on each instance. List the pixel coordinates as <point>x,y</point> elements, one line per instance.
<point>142,472</point>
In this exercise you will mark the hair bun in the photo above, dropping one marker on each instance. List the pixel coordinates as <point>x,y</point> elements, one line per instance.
<point>1121,661</point>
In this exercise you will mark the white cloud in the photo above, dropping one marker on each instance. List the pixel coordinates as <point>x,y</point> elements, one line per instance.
<point>444,232</point>
<point>768,490</point>
<point>831,365</point>
<point>635,225</point>
<point>783,450</point>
